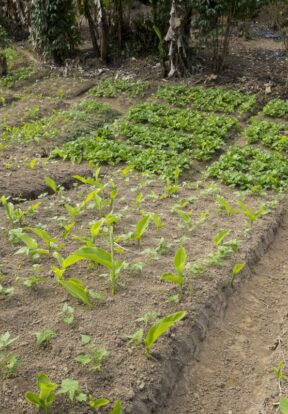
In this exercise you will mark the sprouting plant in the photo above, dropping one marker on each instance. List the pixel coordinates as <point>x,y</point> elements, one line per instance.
<point>15,215</point>
<point>74,287</point>
<point>279,373</point>
<point>179,263</point>
<point>33,281</point>
<point>46,395</point>
<point>236,270</point>
<point>220,237</point>
<point>186,217</point>
<point>31,247</point>
<point>160,327</point>
<point>6,340</point>
<point>72,388</point>
<point>148,317</point>
<point>43,337</point>
<point>138,201</point>
<point>98,403</point>
<point>6,292</point>
<point>100,256</point>
<point>67,314</point>
<point>53,185</point>
<point>141,228</point>
<point>94,358</point>
<point>137,337</point>
<point>50,241</point>
<point>117,409</point>
<point>224,204</point>
<point>163,246</point>
<point>9,363</point>
<point>250,213</point>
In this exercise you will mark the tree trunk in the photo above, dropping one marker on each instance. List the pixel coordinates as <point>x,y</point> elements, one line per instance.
<point>3,65</point>
<point>92,27</point>
<point>103,30</point>
<point>175,37</point>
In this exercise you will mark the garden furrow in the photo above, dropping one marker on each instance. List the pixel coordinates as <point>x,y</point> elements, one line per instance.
<point>233,372</point>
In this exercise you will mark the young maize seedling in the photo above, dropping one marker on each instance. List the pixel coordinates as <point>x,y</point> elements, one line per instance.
<point>94,358</point>
<point>251,214</point>
<point>220,237</point>
<point>185,217</point>
<point>117,409</point>
<point>160,327</point>
<point>141,228</point>
<point>46,396</point>
<point>225,205</point>
<point>53,185</point>
<point>179,263</point>
<point>67,314</point>
<point>236,270</point>
<point>15,215</point>
<point>76,288</point>
<point>72,388</point>
<point>43,337</point>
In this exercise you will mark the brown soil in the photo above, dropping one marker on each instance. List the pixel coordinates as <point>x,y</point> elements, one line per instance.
<point>233,372</point>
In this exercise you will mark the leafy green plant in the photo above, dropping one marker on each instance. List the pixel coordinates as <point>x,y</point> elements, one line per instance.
<point>111,88</point>
<point>283,405</point>
<point>226,206</point>
<point>6,340</point>
<point>276,108</point>
<point>33,281</point>
<point>160,327</point>
<point>46,395</point>
<point>72,388</point>
<point>98,403</point>
<point>9,363</point>
<point>220,237</point>
<point>137,337</point>
<point>179,263</point>
<point>43,337</point>
<point>237,268</point>
<point>94,358</point>
<point>67,314</point>
<point>31,247</point>
<point>6,292</point>
<point>251,214</point>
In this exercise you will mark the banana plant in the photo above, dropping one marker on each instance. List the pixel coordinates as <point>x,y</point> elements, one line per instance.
<point>179,263</point>
<point>160,327</point>
<point>51,242</point>
<point>31,246</point>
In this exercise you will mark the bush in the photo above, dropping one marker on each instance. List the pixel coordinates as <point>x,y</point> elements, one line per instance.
<point>54,29</point>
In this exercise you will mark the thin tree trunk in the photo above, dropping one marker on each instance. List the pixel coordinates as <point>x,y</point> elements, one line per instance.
<point>92,28</point>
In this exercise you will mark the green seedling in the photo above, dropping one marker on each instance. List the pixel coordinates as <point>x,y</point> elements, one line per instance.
<point>98,403</point>
<point>137,337</point>
<point>67,314</point>
<point>141,228</point>
<point>32,164</point>
<point>43,337</point>
<point>31,246</point>
<point>72,388</point>
<point>160,327</point>
<point>225,205</point>
<point>179,263</point>
<point>45,236</point>
<point>52,184</point>
<point>6,340</point>
<point>220,237</point>
<point>251,214</point>
<point>117,409</point>
<point>99,256</point>
<point>85,339</point>
<point>6,292</point>
<point>148,318</point>
<point>76,288</point>
<point>185,217</point>
<point>236,270</point>
<point>15,215</point>
<point>46,396</point>
<point>94,358</point>
<point>283,405</point>
<point>9,363</point>
<point>33,281</point>
<point>279,373</point>
<point>138,201</point>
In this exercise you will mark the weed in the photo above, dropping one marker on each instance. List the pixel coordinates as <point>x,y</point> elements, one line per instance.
<point>46,396</point>
<point>43,337</point>
<point>94,358</point>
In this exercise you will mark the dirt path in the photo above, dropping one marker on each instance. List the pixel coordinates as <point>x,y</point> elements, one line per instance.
<point>234,371</point>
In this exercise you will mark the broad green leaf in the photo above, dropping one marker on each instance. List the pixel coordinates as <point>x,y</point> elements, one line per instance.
<point>70,387</point>
<point>95,254</point>
<point>76,289</point>
<point>237,268</point>
<point>6,340</point>
<point>51,183</point>
<point>70,260</point>
<point>159,328</point>
<point>180,259</point>
<point>100,402</point>
<point>220,237</point>
<point>85,339</point>
<point>176,279</point>
<point>142,226</point>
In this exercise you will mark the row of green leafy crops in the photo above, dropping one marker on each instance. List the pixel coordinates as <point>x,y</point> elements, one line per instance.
<point>276,108</point>
<point>155,138</point>
<point>207,99</point>
<point>111,88</point>
<point>17,75</point>
<point>82,117</point>
<point>272,135</point>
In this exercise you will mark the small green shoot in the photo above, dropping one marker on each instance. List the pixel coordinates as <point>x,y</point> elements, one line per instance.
<point>236,270</point>
<point>72,388</point>
<point>46,396</point>
<point>43,337</point>
<point>179,264</point>
<point>94,358</point>
<point>67,314</point>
